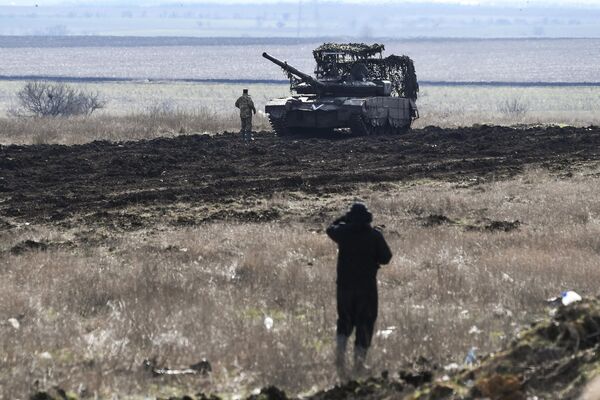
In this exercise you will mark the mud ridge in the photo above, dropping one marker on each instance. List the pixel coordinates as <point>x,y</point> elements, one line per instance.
<point>72,184</point>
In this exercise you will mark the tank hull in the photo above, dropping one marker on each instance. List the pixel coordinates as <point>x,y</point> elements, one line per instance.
<point>363,116</point>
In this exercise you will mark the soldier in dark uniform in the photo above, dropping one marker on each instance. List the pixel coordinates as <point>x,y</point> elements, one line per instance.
<point>362,249</point>
<point>246,106</point>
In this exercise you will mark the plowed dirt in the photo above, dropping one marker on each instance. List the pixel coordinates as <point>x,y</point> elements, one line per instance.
<point>99,182</point>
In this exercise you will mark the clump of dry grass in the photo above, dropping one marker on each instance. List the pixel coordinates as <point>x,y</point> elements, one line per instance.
<point>515,108</point>
<point>90,315</point>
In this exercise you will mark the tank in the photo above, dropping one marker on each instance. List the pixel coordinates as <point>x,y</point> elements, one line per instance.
<point>354,87</point>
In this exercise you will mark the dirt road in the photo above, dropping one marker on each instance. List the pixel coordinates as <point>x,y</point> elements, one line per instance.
<point>99,182</point>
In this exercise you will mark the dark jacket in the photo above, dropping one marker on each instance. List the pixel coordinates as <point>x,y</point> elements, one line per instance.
<point>362,249</point>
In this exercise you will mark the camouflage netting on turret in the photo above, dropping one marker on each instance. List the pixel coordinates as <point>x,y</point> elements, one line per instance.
<point>336,60</point>
<point>361,50</point>
<point>400,70</point>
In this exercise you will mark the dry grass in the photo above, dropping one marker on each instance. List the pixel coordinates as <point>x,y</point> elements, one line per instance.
<point>449,106</point>
<point>148,110</point>
<point>90,314</point>
<point>143,125</point>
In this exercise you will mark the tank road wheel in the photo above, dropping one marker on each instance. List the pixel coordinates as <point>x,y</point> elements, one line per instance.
<point>281,128</point>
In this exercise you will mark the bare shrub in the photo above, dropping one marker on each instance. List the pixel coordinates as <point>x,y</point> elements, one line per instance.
<point>45,99</point>
<point>513,107</point>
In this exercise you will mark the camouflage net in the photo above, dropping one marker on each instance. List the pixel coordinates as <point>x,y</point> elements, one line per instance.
<point>400,70</point>
<point>358,50</point>
<point>338,60</point>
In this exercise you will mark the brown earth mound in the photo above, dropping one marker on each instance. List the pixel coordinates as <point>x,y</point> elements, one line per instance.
<point>552,360</point>
<point>96,183</point>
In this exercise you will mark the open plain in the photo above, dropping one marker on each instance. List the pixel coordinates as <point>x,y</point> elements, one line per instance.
<point>117,256</point>
<point>148,252</point>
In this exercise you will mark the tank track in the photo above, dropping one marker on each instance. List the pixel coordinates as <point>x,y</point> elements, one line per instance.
<point>279,126</point>
<point>281,129</point>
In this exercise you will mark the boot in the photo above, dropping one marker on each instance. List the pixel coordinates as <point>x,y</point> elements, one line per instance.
<point>341,343</point>
<point>360,356</point>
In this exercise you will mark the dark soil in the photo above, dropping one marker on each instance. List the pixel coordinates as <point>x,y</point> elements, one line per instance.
<point>436,219</point>
<point>27,245</point>
<point>97,183</point>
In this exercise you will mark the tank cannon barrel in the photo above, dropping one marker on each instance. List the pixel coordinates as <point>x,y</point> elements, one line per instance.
<point>291,70</point>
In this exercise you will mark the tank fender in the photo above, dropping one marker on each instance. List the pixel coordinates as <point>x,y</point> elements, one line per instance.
<point>347,107</point>
<point>276,107</point>
<point>353,102</point>
<point>276,112</point>
<point>278,102</point>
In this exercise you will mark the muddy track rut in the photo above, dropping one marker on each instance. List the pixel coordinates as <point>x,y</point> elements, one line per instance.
<point>55,183</point>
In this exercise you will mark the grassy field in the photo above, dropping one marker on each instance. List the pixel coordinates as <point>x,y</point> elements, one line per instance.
<point>88,310</point>
<point>148,110</point>
<point>453,60</point>
<point>97,303</point>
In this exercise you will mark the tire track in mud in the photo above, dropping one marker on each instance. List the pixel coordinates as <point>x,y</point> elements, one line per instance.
<point>56,184</point>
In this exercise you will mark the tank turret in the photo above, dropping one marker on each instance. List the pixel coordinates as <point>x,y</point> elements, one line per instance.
<point>350,85</point>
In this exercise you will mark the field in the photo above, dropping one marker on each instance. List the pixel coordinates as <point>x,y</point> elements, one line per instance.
<point>173,250</point>
<point>159,87</point>
<point>440,60</point>
<point>149,110</point>
<point>149,236</point>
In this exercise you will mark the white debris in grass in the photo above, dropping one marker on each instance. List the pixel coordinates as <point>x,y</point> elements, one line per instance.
<point>14,323</point>
<point>385,333</point>
<point>474,330</point>
<point>268,323</point>
<point>570,297</point>
<point>452,367</point>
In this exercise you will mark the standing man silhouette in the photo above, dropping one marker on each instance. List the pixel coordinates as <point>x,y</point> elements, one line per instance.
<point>362,249</point>
<point>246,106</point>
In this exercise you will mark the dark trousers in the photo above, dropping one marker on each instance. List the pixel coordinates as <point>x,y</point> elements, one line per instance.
<point>357,309</point>
<point>246,124</point>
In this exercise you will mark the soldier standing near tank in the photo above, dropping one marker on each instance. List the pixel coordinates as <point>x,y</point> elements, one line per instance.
<point>362,249</point>
<point>246,106</point>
